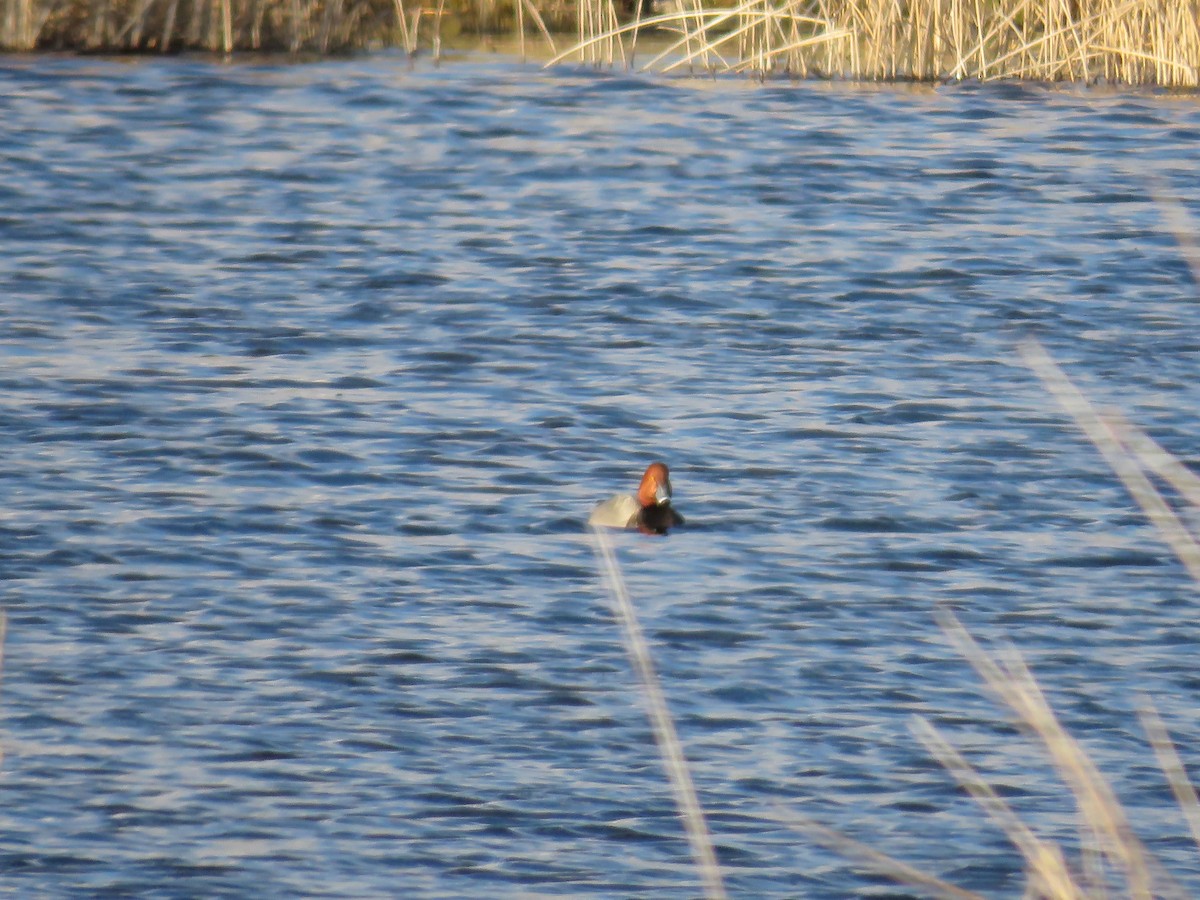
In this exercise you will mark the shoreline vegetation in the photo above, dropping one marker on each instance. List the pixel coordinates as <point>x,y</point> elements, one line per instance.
<point>1135,42</point>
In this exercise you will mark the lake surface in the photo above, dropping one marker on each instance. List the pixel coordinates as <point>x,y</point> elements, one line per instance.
<point>311,374</point>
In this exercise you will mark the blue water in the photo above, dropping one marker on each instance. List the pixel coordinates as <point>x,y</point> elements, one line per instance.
<point>311,374</point>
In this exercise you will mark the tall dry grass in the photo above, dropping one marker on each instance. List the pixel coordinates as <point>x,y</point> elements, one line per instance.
<point>295,26</point>
<point>1127,41</point>
<point>20,24</point>
<point>691,813</point>
<point>214,25</point>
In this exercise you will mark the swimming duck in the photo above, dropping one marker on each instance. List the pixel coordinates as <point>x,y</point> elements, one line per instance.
<point>649,511</point>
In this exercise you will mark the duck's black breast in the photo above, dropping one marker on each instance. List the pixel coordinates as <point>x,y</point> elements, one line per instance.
<point>657,519</point>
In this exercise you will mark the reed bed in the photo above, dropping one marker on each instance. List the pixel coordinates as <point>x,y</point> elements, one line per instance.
<point>1118,41</point>
<point>291,26</point>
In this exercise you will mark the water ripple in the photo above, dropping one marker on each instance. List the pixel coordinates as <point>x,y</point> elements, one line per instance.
<point>315,370</point>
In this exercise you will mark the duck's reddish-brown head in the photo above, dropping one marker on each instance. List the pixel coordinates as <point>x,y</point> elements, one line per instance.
<point>655,489</point>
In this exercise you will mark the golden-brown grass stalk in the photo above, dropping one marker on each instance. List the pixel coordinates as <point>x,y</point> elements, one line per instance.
<point>1105,434</point>
<point>3,636</point>
<point>1172,767</point>
<point>663,725</point>
<point>1179,223</point>
<point>1045,865</point>
<point>1155,458</point>
<point>1136,41</point>
<point>870,858</point>
<point>1007,676</point>
<point>538,20</point>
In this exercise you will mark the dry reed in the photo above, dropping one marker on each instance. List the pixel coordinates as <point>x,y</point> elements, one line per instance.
<point>3,637</point>
<point>1126,41</point>
<point>665,736</point>
<point>295,26</point>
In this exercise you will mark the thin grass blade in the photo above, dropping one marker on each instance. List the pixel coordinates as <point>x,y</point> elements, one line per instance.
<point>1172,767</point>
<point>1102,433</point>
<point>869,857</point>
<point>662,723</point>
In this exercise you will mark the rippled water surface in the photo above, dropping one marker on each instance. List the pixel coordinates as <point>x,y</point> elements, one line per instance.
<point>311,374</point>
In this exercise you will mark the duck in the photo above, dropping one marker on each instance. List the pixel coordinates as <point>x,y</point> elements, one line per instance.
<point>649,510</point>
